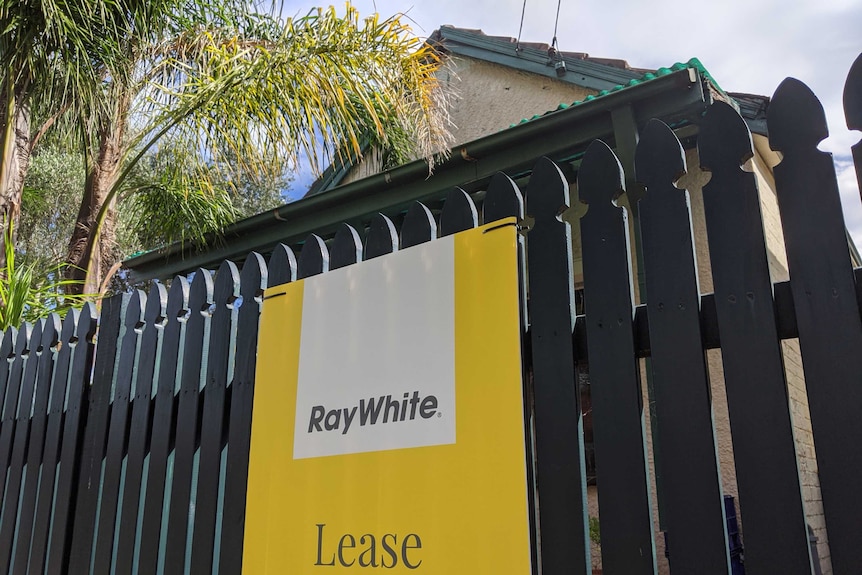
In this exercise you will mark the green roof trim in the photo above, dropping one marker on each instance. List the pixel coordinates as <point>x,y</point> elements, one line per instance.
<point>693,63</point>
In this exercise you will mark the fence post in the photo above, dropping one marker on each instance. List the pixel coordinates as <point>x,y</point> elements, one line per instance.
<point>559,434</point>
<point>827,314</point>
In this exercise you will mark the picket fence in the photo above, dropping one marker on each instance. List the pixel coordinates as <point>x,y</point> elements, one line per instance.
<point>125,437</point>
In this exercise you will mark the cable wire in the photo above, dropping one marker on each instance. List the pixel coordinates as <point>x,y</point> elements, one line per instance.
<point>556,21</point>
<point>521,29</point>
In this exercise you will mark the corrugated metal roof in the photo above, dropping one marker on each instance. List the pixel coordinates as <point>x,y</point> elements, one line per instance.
<point>692,63</point>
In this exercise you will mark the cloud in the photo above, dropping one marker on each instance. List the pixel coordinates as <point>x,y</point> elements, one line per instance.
<point>850,199</point>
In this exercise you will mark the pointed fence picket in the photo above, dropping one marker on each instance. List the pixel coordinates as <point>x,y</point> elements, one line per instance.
<point>853,111</point>
<point>38,416</point>
<point>163,422</point>
<point>49,456</point>
<point>122,389</point>
<point>560,474</point>
<point>222,343</point>
<point>74,431</point>
<point>187,422</point>
<point>766,467</point>
<point>144,468</point>
<point>618,423</point>
<point>95,433</point>
<point>689,464</point>
<point>139,427</point>
<point>827,313</point>
<point>21,433</point>
<point>253,280</point>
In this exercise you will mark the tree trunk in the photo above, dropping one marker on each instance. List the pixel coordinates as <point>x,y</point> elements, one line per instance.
<point>15,152</point>
<point>91,249</point>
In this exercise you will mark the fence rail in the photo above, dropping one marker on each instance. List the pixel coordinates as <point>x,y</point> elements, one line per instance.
<point>125,448</point>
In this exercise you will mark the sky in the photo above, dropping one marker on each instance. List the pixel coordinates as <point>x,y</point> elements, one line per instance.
<point>747,45</point>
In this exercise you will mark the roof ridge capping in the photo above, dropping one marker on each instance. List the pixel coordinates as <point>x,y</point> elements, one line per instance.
<point>450,32</point>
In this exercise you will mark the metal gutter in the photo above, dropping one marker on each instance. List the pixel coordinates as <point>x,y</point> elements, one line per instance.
<point>560,135</point>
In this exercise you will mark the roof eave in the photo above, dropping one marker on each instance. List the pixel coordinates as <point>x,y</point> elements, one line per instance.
<point>560,135</point>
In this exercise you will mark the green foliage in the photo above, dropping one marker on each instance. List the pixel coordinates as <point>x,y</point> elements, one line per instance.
<point>166,201</point>
<point>49,203</point>
<point>29,292</point>
<point>595,531</point>
<point>172,198</point>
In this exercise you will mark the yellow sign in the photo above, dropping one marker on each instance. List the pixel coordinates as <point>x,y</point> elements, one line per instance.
<point>388,427</point>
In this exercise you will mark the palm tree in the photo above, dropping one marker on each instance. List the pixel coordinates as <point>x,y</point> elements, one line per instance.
<point>43,46</point>
<point>228,83</point>
<point>224,82</point>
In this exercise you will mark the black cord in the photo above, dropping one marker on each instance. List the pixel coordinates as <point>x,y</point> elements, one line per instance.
<point>521,29</point>
<point>556,21</point>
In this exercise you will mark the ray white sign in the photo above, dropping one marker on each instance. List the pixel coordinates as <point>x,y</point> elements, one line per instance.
<point>377,355</point>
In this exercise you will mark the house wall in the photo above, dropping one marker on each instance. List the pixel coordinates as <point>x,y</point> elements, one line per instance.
<point>487,98</point>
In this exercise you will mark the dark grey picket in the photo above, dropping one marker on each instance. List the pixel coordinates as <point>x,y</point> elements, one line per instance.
<point>382,237</point>
<point>222,344</point>
<point>112,478</point>
<point>14,475</point>
<point>827,314</point>
<point>418,227</point>
<point>7,349</point>
<point>459,213</point>
<point>38,535</point>
<point>139,427</point>
<point>253,280</point>
<point>282,266</point>
<point>10,403</point>
<point>187,421</point>
<point>559,440</point>
<point>73,436</point>
<point>618,421</point>
<point>95,435</point>
<point>346,247</point>
<point>163,422</point>
<point>776,536</point>
<point>692,487</point>
<point>503,199</point>
<point>38,421</point>
<point>314,257</point>
<point>853,111</point>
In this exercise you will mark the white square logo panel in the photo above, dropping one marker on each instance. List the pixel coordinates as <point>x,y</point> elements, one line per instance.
<point>377,355</point>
